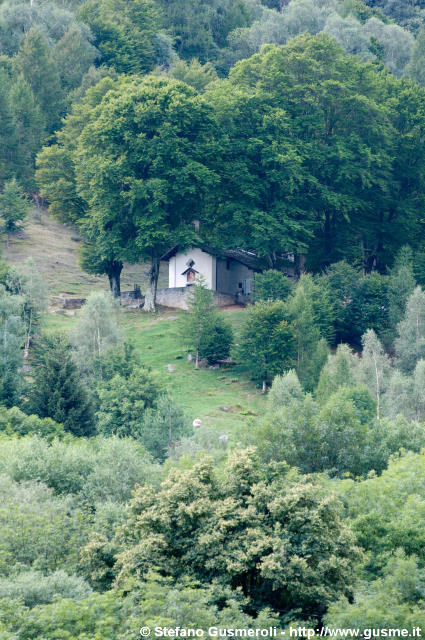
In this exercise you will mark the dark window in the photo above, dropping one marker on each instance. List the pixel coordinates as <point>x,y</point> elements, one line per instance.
<point>240,285</point>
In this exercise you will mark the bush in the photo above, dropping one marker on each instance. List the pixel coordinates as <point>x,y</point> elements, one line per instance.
<point>341,436</point>
<point>271,285</point>
<point>163,427</point>
<point>33,588</point>
<point>38,530</point>
<point>217,341</point>
<point>14,421</point>
<point>267,343</point>
<point>123,402</point>
<point>99,469</point>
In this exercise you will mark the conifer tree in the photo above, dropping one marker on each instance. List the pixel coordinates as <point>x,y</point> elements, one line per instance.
<point>416,67</point>
<point>40,70</point>
<point>374,367</point>
<point>74,55</point>
<point>268,346</point>
<point>58,391</point>
<point>7,129</point>
<point>410,344</point>
<point>12,332</point>
<point>203,330</point>
<point>14,206</point>
<point>30,130</point>
<point>310,310</point>
<point>401,283</point>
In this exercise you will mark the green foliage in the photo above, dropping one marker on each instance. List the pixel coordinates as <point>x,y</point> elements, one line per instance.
<point>38,530</point>
<point>267,342</point>
<point>162,427</point>
<point>123,402</point>
<point>216,340</point>
<point>374,367</point>
<point>394,601</point>
<point>96,332</point>
<point>405,394</point>
<point>203,330</point>
<point>193,73</point>
<point>271,285</point>
<point>264,524</point>
<point>14,421</point>
<point>124,33</point>
<point>7,129</point>
<point>259,162</point>
<point>387,511</point>
<point>99,471</point>
<point>400,286</point>
<point>310,310</point>
<point>120,359</point>
<point>34,588</point>
<point>74,55</point>
<point>14,206</point>
<point>57,390</point>
<point>410,343</point>
<point>154,136</point>
<point>55,174</point>
<point>201,27</point>
<point>340,436</point>
<point>12,332</point>
<point>29,130</point>
<point>284,389</point>
<point>99,615</point>
<point>415,68</point>
<point>339,370</point>
<point>26,282</point>
<point>338,188</point>
<point>36,63</point>
<point>313,438</point>
<point>369,307</point>
<point>114,616</point>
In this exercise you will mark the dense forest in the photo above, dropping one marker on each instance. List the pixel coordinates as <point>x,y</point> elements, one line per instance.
<point>290,129</point>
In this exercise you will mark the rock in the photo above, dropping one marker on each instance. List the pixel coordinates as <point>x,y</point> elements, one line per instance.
<point>225,409</point>
<point>226,361</point>
<point>73,303</point>
<point>59,311</point>
<point>70,313</point>
<point>214,366</point>
<point>224,439</point>
<point>171,367</point>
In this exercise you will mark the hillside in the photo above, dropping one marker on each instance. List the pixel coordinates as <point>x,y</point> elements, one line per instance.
<point>222,399</point>
<point>54,248</point>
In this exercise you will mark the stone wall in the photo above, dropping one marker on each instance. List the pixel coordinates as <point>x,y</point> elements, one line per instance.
<point>176,298</point>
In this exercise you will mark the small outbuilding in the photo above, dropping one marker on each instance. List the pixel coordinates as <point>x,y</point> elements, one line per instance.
<point>226,271</point>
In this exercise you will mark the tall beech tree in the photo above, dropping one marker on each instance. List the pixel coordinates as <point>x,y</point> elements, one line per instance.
<point>342,156</point>
<point>142,167</point>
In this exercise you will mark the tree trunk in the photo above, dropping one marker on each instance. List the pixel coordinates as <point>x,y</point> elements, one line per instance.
<point>299,264</point>
<point>114,275</point>
<point>150,297</point>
